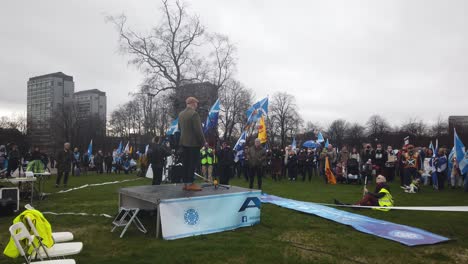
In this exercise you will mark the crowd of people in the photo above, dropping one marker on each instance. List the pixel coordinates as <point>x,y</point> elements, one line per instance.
<point>408,166</point>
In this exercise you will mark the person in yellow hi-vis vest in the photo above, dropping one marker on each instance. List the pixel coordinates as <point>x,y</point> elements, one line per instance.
<point>380,197</point>
<point>207,159</point>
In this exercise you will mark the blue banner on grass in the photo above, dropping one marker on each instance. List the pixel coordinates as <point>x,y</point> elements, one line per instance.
<point>406,235</point>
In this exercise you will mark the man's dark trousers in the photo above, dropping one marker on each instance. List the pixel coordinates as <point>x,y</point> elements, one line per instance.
<point>190,161</point>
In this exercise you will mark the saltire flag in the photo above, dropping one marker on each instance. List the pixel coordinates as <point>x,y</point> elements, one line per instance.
<point>450,161</point>
<point>460,152</point>
<point>173,128</point>
<point>146,149</point>
<point>127,147</point>
<point>212,118</point>
<point>119,149</point>
<point>262,134</point>
<point>329,173</point>
<point>327,143</point>
<point>90,148</point>
<point>239,147</point>
<point>436,149</point>
<point>431,147</point>
<point>257,110</point>
<point>320,138</point>
<point>294,144</point>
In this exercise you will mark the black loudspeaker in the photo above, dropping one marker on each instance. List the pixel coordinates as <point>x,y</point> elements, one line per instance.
<point>175,174</point>
<point>9,201</point>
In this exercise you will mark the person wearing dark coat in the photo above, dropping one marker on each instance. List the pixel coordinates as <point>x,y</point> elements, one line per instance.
<point>225,163</point>
<point>14,158</point>
<point>64,162</point>
<point>292,165</point>
<point>157,157</point>
<point>108,159</point>
<point>191,140</point>
<point>98,162</point>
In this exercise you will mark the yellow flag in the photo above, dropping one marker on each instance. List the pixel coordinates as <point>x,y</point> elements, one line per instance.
<point>329,173</point>
<point>262,134</point>
<point>131,150</point>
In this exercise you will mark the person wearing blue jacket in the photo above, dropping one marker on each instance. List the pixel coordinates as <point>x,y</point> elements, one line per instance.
<point>440,163</point>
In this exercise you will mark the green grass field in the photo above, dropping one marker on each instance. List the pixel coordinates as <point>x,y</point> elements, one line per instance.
<point>283,236</point>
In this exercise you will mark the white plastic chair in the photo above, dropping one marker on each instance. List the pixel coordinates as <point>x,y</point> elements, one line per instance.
<point>58,237</point>
<point>19,232</point>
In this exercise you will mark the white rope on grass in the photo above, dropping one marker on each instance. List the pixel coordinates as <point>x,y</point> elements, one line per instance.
<point>92,185</point>
<point>81,214</point>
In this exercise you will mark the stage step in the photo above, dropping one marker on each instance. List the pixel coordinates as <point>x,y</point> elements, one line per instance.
<point>125,218</point>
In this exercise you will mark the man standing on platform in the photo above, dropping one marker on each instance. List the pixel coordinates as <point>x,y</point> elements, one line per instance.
<point>64,162</point>
<point>191,140</point>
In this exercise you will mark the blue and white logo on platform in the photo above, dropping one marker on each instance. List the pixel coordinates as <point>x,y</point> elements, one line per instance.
<point>405,235</point>
<point>191,217</point>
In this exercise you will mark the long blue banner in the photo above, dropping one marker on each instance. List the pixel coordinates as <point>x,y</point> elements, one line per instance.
<point>406,235</point>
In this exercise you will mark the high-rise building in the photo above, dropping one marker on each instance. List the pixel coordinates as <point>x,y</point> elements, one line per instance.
<point>46,96</point>
<point>460,124</point>
<point>91,103</point>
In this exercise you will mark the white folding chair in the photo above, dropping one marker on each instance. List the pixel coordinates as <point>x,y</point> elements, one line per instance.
<point>58,237</point>
<point>19,232</point>
<point>58,250</point>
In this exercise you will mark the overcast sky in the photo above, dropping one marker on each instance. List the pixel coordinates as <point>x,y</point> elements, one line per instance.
<point>340,59</point>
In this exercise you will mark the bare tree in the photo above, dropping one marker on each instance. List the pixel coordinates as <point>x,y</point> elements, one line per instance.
<point>440,128</point>
<point>284,116</point>
<point>377,126</point>
<point>355,134</point>
<point>167,55</point>
<point>223,62</point>
<point>414,127</point>
<point>336,132</point>
<point>235,99</point>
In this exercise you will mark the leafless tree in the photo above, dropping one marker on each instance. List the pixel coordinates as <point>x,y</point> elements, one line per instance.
<point>355,134</point>
<point>235,99</point>
<point>284,116</point>
<point>377,126</point>
<point>414,127</point>
<point>440,128</point>
<point>167,55</point>
<point>336,132</point>
<point>223,60</point>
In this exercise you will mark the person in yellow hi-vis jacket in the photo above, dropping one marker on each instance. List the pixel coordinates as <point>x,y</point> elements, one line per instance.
<point>380,197</point>
<point>43,228</point>
<point>207,160</point>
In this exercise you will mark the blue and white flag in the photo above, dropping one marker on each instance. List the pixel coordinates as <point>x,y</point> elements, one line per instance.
<point>127,147</point>
<point>436,149</point>
<point>146,149</point>
<point>119,149</point>
<point>90,148</point>
<point>257,110</point>
<point>460,152</point>
<point>173,128</point>
<point>327,143</point>
<point>212,118</point>
<point>294,144</point>
<point>320,138</point>
<point>239,147</point>
<point>431,146</point>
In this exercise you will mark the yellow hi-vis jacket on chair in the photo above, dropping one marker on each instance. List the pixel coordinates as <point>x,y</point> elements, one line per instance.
<point>42,226</point>
<point>385,201</point>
